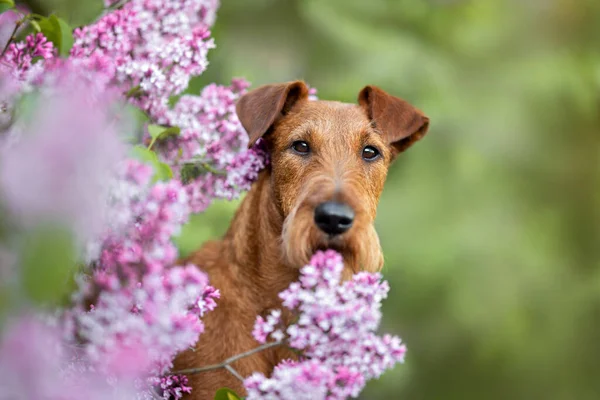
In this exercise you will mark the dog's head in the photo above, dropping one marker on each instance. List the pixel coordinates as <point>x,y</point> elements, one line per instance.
<point>329,161</point>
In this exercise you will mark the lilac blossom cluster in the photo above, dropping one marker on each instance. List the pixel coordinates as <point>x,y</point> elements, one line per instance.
<point>211,151</point>
<point>36,363</point>
<point>334,331</point>
<point>19,56</point>
<point>134,310</point>
<point>156,45</point>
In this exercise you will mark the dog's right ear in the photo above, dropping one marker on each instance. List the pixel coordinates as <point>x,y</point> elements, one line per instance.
<point>400,123</point>
<point>260,108</point>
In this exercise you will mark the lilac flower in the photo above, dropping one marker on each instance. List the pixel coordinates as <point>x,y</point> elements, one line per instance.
<point>152,215</point>
<point>173,387</point>
<point>242,171</point>
<point>65,151</point>
<point>159,315</point>
<point>20,56</point>
<point>157,45</point>
<point>211,134</point>
<point>209,125</point>
<point>35,363</point>
<point>335,325</point>
<point>310,380</point>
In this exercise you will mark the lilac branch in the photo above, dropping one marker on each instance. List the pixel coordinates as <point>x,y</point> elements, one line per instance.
<point>234,372</point>
<point>226,364</point>
<point>12,37</point>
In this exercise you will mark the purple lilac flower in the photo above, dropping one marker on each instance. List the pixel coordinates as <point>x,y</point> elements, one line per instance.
<point>157,318</point>
<point>310,380</point>
<point>65,152</point>
<point>35,363</point>
<point>173,387</point>
<point>334,329</point>
<point>20,57</point>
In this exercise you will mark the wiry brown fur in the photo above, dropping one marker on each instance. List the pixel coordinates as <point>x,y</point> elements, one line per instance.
<point>273,232</point>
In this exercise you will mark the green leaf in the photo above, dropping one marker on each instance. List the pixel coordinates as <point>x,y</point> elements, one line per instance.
<point>58,32</point>
<point>189,172</point>
<point>226,394</point>
<point>66,37</point>
<point>208,225</point>
<point>139,119</point>
<point>138,115</point>
<point>47,258</point>
<point>162,171</point>
<point>35,25</point>
<point>27,105</point>
<point>6,5</point>
<point>158,132</point>
<point>144,155</point>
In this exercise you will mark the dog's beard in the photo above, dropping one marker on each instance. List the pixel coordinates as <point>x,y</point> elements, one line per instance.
<point>359,247</point>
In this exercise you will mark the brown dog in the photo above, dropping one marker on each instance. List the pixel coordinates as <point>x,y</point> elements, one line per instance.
<point>329,161</point>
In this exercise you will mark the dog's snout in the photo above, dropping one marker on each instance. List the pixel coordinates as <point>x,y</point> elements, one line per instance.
<point>334,218</point>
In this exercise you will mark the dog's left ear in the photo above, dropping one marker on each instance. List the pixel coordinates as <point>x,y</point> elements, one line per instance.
<point>260,108</point>
<point>400,123</point>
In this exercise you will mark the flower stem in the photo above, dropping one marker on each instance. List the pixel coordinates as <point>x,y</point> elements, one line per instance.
<point>226,364</point>
<point>212,170</point>
<point>12,37</point>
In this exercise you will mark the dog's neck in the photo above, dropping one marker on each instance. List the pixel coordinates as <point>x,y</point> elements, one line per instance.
<point>253,242</point>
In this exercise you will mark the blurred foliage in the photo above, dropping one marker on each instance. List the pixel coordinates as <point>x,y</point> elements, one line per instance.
<point>226,394</point>
<point>202,227</point>
<point>490,225</point>
<point>47,260</point>
<point>75,12</point>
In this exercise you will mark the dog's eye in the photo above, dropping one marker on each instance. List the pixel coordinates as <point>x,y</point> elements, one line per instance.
<point>370,153</point>
<point>300,147</point>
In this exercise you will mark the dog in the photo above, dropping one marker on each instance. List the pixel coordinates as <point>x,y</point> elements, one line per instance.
<point>329,162</point>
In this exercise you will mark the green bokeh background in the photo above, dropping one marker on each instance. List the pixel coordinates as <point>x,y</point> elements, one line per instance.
<point>490,224</point>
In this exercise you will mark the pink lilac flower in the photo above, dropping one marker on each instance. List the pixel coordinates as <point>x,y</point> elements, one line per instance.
<point>242,171</point>
<point>35,363</point>
<point>173,387</point>
<point>141,301</point>
<point>145,245</point>
<point>336,322</point>
<point>144,313</point>
<point>310,380</point>
<point>159,316</point>
<point>61,157</point>
<point>157,45</point>
<point>211,134</point>
<point>20,56</point>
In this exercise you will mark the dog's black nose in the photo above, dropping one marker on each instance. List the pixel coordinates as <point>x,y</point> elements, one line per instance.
<point>334,218</point>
